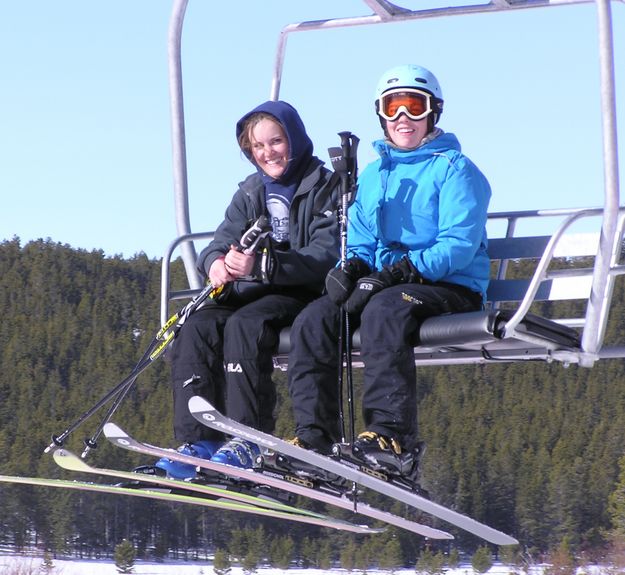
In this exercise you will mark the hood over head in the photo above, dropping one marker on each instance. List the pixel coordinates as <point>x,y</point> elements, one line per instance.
<point>300,144</point>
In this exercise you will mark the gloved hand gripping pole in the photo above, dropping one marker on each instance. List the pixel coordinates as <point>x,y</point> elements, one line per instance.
<point>162,340</point>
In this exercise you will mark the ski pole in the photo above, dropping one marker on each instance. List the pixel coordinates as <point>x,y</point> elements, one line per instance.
<point>340,167</point>
<point>247,244</point>
<point>344,163</point>
<point>349,145</point>
<point>58,440</point>
<point>163,339</point>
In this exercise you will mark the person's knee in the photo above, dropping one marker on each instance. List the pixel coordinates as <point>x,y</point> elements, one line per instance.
<point>242,325</point>
<point>383,322</point>
<point>202,326</point>
<point>247,336</point>
<point>378,309</point>
<point>303,319</point>
<point>320,315</point>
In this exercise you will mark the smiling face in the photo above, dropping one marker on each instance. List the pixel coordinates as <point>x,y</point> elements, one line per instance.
<point>269,147</point>
<point>406,133</point>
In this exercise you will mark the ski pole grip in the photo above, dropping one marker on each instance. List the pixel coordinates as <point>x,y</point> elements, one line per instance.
<point>349,145</point>
<point>258,230</point>
<point>339,162</point>
<point>345,138</point>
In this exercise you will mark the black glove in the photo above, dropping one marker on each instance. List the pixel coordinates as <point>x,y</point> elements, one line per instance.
<point>340,282</point>
<point>403,271</point>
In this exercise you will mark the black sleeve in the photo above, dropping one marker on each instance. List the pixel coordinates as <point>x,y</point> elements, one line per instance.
<point>238,217</point>
<point>316,250</point>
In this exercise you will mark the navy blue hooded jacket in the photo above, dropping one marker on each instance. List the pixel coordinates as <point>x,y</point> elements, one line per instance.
<point>313,229</point>
<point>300,145</point>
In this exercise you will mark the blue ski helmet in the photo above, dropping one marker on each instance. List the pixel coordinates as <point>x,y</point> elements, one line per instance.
<point>411,76</point>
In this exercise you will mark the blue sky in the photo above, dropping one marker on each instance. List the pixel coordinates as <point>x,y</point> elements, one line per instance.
<point>85,142</point>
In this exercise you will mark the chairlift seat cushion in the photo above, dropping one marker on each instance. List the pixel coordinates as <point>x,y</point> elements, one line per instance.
<point>483,327</point>
<point>474,329</point>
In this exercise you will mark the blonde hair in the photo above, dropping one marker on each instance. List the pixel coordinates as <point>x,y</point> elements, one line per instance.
<point>245,137</point>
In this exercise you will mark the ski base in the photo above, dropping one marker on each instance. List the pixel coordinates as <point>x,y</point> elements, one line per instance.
<point>277,480</point>
<point>71,462</point>
<point>204,412</point>
<point>228,486</point>
<point>160,494</point>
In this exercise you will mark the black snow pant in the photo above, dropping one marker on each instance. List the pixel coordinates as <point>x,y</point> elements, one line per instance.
<point>224,354</point>
<point>389,326</point>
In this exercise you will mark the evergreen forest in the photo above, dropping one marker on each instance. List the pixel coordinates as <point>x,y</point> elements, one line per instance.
<point>533,449</point>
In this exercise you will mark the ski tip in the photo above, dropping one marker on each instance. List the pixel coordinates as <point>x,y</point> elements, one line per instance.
<point>113,430</point>
<point>496,537</point>
<point>197,403</point>
<point>438,534</point>
<point>68,460</point>
<point>373,530</point>
<point>503,539</point>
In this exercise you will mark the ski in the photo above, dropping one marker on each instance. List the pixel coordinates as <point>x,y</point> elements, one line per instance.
<point>71,462</point>
<point>281,481</point>
<point>204,412</point>
<point>171,497</point>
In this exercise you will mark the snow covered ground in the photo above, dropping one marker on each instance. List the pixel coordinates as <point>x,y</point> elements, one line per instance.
<point>11,564</point>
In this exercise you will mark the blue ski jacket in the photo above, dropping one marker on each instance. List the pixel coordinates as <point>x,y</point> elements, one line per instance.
<point>431,204</point>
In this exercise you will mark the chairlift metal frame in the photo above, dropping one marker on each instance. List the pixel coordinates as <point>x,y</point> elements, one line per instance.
<point>606,266</point>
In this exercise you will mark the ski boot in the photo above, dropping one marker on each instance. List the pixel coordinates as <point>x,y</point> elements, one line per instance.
<point>383,457</point>
<point>171,469</point>
<point>151,470</point>
<point>238,453</point>
<point>178,470</point>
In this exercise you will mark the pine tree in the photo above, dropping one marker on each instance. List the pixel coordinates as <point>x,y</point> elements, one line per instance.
<point>221,562</point>
<point>362,557</point>
<point>47,565</point>
<point>391,557</point>
<point>482,559</point>
<point>510,555</point>
<point>237,545</point>
<point>250,563</point>
<point>125,557</point>
<point>561,560</point>
<point>281,551</point>
<point>309,552</point>
<point>430,563</point>
<point>348,555</point>
<point>616,503</point>
<point>616,509</point>
<point>325,555</point>
<point>160,548</point>
<point>453,560</point>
